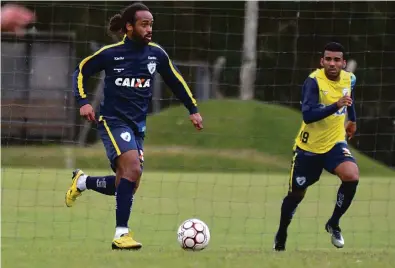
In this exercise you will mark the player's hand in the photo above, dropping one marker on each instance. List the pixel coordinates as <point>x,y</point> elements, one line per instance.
<point>14,18</point>
<point>351,128</point>
<point>87,112</point>
<point>344,101</point>
<point>197,121</point>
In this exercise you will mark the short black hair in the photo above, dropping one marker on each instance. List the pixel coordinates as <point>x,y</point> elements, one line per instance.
<point>334,47</point>
<point>128,15</point>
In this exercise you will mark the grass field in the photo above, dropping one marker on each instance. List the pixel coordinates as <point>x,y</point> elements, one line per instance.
<point>239,136</point>
<point>232,175</point>
<point>242,211</point>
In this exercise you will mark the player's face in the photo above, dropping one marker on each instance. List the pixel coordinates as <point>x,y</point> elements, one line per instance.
<point>333,63</point>
<point>142,29</point>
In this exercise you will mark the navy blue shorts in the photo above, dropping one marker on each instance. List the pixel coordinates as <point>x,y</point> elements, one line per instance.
<point>307,167</point>
<point>119,138</point>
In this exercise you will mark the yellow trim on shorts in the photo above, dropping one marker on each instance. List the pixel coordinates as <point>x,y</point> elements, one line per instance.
<point>114,143</point>
<point>292,171</point>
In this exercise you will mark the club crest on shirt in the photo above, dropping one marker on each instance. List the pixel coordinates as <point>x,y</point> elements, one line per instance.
<point>151,67</point>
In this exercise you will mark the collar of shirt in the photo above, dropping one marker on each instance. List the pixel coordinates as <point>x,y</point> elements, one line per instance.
<point>132,43</point>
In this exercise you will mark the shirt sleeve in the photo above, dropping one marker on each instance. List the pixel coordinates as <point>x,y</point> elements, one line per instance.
<point>174,80</point>
<point>87,67</point>
<point>352,116</point>
<point>311,109</point>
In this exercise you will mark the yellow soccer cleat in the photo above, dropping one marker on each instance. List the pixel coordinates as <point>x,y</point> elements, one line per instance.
<point>73,192</point>
<point>126,242</point>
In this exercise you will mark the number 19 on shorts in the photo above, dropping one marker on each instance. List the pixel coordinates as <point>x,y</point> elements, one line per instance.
<point>304,136</point>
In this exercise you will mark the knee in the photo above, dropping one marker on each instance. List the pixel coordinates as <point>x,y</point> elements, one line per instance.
<point>297,195</point>
<point>131,172</point>
<point>350,176</point>
<point>347,171</point>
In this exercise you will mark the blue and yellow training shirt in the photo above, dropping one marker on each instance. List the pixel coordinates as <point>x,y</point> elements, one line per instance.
<point>129,71</point>
<point>323,122</point>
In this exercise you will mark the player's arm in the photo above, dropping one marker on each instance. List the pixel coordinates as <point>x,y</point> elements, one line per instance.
<point>174,80</point>
<point>312,110</point>
<point>87,67</point>
<point>352,116</point>
<point>351,126</point>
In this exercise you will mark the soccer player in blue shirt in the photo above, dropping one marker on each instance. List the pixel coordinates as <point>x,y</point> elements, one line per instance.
<point>130,66</point>
<point>327,103</point>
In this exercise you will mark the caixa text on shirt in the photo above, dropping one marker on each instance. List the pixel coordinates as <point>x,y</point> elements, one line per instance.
<point>133,82</point>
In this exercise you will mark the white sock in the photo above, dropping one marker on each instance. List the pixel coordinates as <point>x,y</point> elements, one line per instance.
<point>81,183</point>
<point>120,231</point>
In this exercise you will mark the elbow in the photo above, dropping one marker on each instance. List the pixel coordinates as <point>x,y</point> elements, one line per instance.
<point>74,77</point>
<point>75,73</point>
<point>307,118</point>
<point>351,113</point>
<point>75,84</point>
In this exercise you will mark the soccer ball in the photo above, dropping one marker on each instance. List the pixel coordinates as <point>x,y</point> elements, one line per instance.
<point>193,234</point>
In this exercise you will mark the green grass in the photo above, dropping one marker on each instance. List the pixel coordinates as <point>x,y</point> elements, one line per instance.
<point>268,130</point>
<point>171,158</point>
<point>239,136</point>
<point>242,211</point>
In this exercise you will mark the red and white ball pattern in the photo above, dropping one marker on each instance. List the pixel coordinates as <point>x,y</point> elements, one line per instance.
<point>193,234</point>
